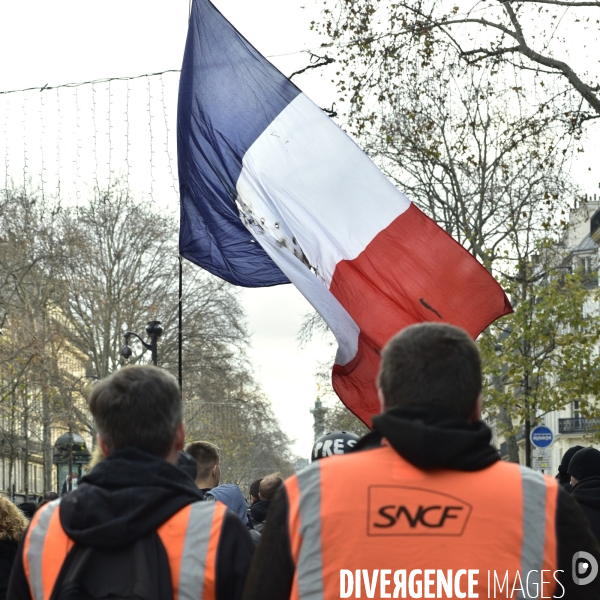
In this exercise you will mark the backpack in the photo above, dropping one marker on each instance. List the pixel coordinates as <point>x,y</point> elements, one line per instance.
<point>138,572</point>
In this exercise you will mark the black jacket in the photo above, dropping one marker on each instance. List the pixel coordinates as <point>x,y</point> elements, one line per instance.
<point>127,497</point>
<point>428,438</point>
<point>259,510</point>
<point>587,494</point>
<point>8,552</point>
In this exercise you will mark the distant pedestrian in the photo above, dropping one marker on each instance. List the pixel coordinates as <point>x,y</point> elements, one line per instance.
<point>208,464</point>
<point>266,490</point>
<point>563,476</point>
<point>69,484</point>
<point>584,470</point>
<point>47,497</point>
<point>28,509</point>
<point>254,487</point>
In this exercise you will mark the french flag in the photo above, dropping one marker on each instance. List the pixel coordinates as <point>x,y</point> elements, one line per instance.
<point>273,191</point>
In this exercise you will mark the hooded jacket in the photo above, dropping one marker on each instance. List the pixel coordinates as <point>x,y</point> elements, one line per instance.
<point>230,495</point>
<point>8,553</point>
<point>127,497</point>
<point>259,511</point>
<point>587,494</point>
<point>428,438</point>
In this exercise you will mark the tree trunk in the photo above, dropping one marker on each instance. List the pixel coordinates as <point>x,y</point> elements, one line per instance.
<point>512,448</point>
<point>26,447</point>
<point>47,438</point>
<point>528,442</point>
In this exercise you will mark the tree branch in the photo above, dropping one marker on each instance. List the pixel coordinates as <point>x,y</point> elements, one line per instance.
<point>320,61</point>
<point>564,68</point>
<point>556,2</point>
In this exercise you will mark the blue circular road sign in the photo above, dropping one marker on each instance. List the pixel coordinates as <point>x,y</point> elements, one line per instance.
<point>541,436</point>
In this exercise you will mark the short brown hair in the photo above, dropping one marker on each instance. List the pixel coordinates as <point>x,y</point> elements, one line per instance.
<point>206,455</point>
<point>269,485</point>
<point>137,406</point>
<point>433,364</point>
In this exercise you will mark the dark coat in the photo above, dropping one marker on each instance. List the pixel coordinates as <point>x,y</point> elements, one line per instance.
<point>127,497</point>
<point>8,552</point>
<point>428,438</point>
<point>259,510</point>
<point>587,494</point>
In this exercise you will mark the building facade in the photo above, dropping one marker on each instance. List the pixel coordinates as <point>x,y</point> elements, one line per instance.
<point>582,246</point>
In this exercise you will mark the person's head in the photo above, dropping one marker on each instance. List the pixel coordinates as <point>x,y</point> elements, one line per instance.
<point>139,406</point>
<point>585,463</point>
<point>333,442</point>
<point>13,522</point>
<point>432,364</point>
<point>48,497</point>
<point>269,485</point>
<point>206,455</point>
<point>563,475</point>
<point>28,509</point>
<point>254,488</point>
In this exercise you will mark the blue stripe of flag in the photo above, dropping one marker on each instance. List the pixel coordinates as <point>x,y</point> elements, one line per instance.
<point>228,95</point>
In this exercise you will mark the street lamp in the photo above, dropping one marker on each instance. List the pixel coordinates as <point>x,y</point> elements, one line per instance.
<point>154,331</point>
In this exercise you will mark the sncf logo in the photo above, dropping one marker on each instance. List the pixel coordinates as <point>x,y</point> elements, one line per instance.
<point>400,510</point>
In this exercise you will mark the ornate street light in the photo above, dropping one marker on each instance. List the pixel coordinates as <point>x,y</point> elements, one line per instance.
<point>154,331</point>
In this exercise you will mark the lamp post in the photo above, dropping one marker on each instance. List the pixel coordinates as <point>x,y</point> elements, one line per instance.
<point>154,331</point>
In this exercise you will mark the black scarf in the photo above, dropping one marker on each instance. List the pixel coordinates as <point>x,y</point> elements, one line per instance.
<point>433,438</point>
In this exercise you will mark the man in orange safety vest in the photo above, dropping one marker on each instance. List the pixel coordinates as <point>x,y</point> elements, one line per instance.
<point>424,507</point>
<point>136,516</point>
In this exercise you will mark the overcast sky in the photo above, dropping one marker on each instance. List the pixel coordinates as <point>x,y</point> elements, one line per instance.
<point>50,42</point>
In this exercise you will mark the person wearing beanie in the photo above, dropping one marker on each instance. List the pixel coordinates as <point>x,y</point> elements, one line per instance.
<point>584,464</point>
<point>563,476</point>
<point>584,470</point>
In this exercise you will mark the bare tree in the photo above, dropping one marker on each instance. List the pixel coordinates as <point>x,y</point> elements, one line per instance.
<point>32,259</point>
<point>74,281</point>
<point>551,42</point>
<point>488,169</point>
<point>241,423</point>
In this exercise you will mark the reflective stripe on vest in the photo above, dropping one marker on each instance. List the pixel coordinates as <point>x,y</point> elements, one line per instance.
<point>190,537</point>
<point>316,516</point>
<point>41,562</point>
<point>310,562</point>
<point>534,528</point>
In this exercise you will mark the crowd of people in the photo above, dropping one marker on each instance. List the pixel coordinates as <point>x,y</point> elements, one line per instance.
<point>421,507</point>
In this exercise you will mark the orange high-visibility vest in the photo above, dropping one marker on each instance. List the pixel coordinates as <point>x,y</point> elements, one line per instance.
<point>367,523</point>
<point>190,537</point>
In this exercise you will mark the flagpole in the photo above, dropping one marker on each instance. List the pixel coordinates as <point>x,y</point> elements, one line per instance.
<point>180,333</point>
